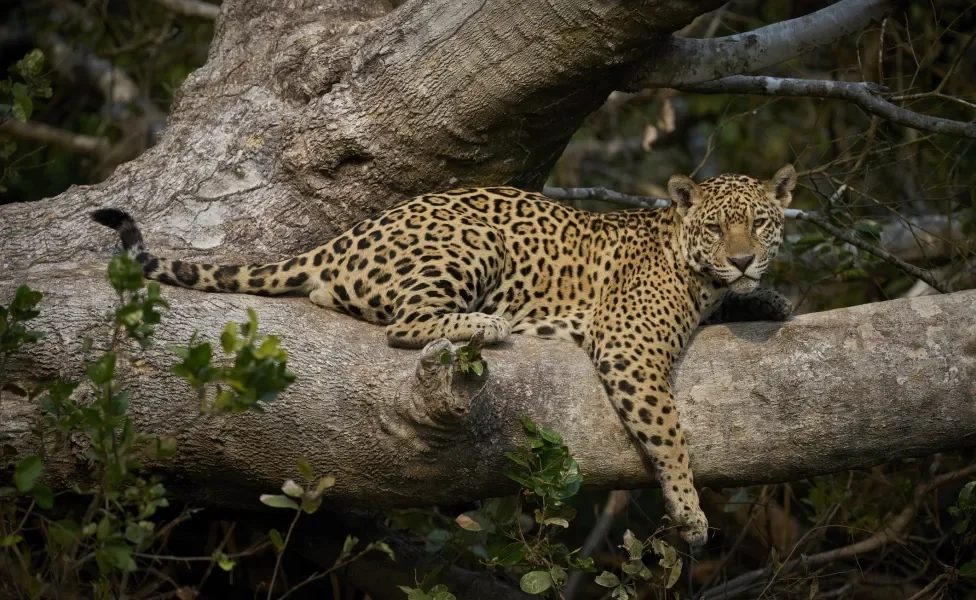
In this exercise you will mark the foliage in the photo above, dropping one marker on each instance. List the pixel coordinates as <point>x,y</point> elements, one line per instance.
<point>118,522</point>
<point>256,377</point>
<point>47,546</point>
<point>964,512</point>
<point>310,499</point>
<point>18,92</point>
<point>427,589</point>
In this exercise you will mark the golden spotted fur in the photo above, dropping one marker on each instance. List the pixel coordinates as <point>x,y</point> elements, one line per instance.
<point>629,287</point>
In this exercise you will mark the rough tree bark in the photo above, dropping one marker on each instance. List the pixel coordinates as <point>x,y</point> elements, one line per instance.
<point>312,114</point>
<point>761,402</point>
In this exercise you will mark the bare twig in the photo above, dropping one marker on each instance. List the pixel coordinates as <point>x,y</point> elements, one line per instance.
<point>616,501</point>
<point>604,195</point>
<point>891,532</point>
<point>870,96</point>
<point>925,591</point>
<point>192,8</point>
<point>62,138</point>
<point>687,61</point>
<point>850,238</point>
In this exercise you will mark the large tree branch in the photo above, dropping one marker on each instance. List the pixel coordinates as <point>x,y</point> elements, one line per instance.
<point>687,61</point>
<point>761,402</point>
<point>869,96</point>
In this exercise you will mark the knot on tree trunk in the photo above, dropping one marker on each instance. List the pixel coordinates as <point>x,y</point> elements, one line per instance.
<point>446,388</point>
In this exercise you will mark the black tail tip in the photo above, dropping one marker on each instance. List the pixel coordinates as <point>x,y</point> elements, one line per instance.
<point>111,217</point>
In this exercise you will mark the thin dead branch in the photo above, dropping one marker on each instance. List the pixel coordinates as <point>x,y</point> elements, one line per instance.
<point>870,96</point>
<point>192,8</point>
<point>62,138</point>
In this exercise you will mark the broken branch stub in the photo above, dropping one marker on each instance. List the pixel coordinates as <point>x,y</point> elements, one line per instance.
<point>445,388</point>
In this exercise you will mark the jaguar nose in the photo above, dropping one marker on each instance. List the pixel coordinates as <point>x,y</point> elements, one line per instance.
<point>742,261</point>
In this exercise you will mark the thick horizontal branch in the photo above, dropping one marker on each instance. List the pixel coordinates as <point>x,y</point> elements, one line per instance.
<point>62,138</point>
<point>192,8</point>
<point>761,402</point>
<point>869,96</point>
<point>687,61</point>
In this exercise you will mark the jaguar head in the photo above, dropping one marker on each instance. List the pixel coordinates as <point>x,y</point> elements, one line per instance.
<point>732,225</point>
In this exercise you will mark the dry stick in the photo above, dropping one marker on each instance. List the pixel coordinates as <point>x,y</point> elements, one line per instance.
<point>925,590</point>
<point>616,501</point>
<point>192,8</point>
<point>937,92</point>
<point>890,532</point>
<point>802,215</point>
<point>870,96</point>
<point>881,253</point>
<point>61,138</point>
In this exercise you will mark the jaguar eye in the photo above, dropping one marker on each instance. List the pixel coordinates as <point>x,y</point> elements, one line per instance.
<point>757,223</point>
<point>714,228</point>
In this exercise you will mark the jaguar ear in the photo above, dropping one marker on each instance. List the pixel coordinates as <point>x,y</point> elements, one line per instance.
<point>684,193</point>
<point>780,187</point>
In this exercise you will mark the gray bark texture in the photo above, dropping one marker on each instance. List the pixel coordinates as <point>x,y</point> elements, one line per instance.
<point>312,114</point>
<point>760,402</point>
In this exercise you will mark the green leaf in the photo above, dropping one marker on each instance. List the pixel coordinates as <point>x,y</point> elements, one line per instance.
<point>324,484</point>
<point>633,545</point>
<point>550,436</point>
<point>278,501</point>
<point>673,575</point>
<point>22,108</point>
<point>478,367</point>
<point>444,595</point>
<point>535,582</point>
<point>27,472</point>
<point>104,531</point>
<point>10,540</point>
<point>347,546</point>
<point>65,533</point>
<point>527,423</point>
<point>414,593</point>
<point>120,556</point>
<point>558,575</point>
<point>276,540</point>
<point>384,548</point>
<point>43,496</point>
<point>225,562</point>
<point>292,489</point>
<point>511,554</point>
<point>607,579</point>
<point>968,569</point>
<point>633,566</point>
<point>304,468</point>
<point>102,370</point>
<point>669,560</point>
<point>517,459</point>
<point>228,339</point>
